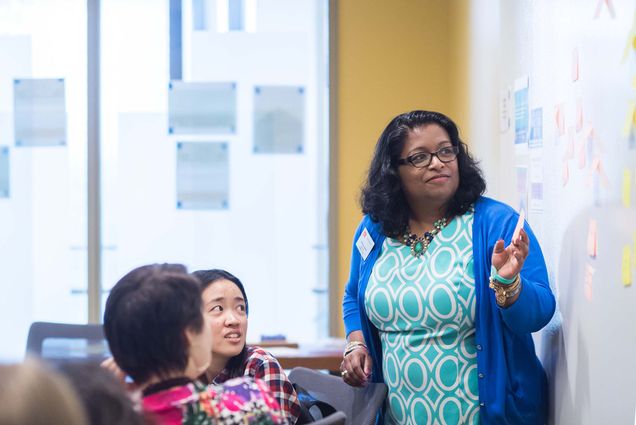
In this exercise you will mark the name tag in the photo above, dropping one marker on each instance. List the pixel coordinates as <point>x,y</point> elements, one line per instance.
<point>365,244</point>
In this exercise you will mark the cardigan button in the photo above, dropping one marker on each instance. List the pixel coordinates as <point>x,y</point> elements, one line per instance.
<point>479,347</point>
<point>481,375</point>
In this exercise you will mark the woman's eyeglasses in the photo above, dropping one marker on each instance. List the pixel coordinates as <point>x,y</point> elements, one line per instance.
<point>423,159</point>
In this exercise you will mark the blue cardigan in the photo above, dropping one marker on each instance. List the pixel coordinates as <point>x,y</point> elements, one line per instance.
<point>513,388</point>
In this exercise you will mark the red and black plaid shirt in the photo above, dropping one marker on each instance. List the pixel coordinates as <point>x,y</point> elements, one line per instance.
<point>261,365</point>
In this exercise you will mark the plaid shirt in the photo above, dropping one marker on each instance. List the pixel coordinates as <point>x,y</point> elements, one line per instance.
<point>262,365</point>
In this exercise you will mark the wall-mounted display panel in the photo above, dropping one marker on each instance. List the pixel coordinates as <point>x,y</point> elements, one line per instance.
<point>39,117</point>
<point>202,176</point>
<point>4,172</point>
<point>279,114</point>
<point>201,108</point>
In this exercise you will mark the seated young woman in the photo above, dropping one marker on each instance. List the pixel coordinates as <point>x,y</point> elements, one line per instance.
<point>225,302</point>
<point>159,336</point>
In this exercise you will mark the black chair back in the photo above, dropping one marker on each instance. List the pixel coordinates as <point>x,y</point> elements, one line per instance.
<point>59,343</point>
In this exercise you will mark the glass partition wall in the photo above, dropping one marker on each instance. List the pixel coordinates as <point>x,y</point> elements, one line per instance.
<point>213,153</point>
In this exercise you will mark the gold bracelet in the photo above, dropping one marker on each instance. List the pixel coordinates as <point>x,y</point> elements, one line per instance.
<point>505,292</point>
<point>352,346</point>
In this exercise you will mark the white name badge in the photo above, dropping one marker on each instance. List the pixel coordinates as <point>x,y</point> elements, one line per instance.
<point>365,244</point>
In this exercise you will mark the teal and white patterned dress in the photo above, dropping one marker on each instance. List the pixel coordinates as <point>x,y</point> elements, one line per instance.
<point>424,309</point>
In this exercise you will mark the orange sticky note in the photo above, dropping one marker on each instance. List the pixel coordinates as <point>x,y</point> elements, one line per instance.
<point>591,238</point>
<point>559,119</point>
<point>626,266</point>
<point>627,188</point>
<point>589,274</point>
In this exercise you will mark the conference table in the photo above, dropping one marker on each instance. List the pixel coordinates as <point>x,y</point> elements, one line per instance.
<point>326,355</point>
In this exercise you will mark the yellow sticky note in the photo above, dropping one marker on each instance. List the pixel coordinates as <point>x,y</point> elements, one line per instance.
<point>634,249</point>
<point>626,269</point>
<point>629,119</point>
<point>627,188</point>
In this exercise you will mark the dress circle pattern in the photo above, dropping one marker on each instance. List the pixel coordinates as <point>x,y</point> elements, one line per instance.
<point>424,309</point>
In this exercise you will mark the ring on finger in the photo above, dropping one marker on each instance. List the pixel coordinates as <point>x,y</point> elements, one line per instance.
<point>344,373</point>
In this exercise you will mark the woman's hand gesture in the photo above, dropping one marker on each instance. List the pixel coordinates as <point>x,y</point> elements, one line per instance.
<point>509,260</point>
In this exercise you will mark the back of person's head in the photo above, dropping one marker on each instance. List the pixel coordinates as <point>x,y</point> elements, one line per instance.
<point>105,399</point>
<point>32,394</point>
<point>208,277</point>
<point>146,317</point>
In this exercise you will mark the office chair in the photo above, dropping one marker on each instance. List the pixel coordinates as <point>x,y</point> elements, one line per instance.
<point>359,404</point>
<point>60,343</point>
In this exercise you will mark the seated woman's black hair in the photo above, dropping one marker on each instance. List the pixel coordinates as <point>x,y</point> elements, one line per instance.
<point>382,197</point>
<point>145,319</point>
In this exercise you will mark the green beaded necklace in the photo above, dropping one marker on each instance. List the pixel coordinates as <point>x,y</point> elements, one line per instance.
<point>419,244</point>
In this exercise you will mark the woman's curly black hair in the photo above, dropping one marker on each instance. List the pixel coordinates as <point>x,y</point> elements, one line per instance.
<point>382,197</point>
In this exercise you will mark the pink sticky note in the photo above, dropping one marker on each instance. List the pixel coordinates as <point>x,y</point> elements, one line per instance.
<point>569,148</point>
<point>565,174</point>
<point>559,119</point>
<point>575,64</point>
<point>591,238</point>
<point>610,8</point>
<point>581,155</point>
<point>579,115</point>
<point>519,226</point>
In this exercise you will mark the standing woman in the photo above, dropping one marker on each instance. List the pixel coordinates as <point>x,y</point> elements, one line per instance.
<point>441,298</point>
<point>225,302</point>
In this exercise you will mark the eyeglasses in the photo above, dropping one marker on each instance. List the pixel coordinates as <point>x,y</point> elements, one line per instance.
<point>423,159</point>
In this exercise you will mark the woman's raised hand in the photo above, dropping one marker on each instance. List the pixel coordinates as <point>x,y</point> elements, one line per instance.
<point>509,260</point>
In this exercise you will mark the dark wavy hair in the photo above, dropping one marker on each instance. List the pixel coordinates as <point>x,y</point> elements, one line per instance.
<point>382,196</point>
<point>236,365</point>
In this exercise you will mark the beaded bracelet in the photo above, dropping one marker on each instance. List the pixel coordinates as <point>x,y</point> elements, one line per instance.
<point>494,275</point>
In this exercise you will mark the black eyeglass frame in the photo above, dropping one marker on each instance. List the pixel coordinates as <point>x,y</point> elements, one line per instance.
<point>409,159</point>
